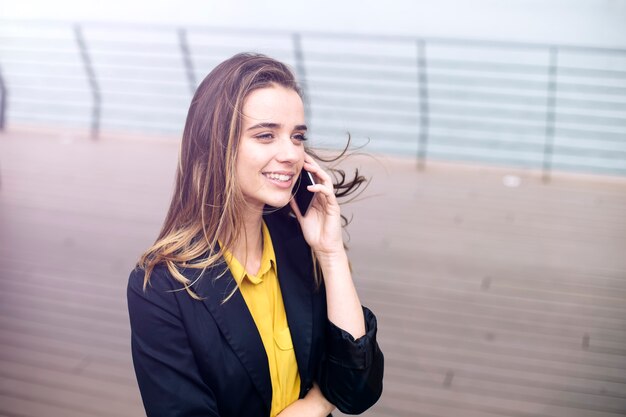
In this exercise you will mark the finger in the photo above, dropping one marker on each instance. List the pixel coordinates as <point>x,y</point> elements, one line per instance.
<point>324,199</point>
<point>319,173</point>
<point>322,189</point>
<point>308,158</point>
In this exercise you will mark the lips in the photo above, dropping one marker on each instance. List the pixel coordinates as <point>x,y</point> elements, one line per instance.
<point>279,176</point>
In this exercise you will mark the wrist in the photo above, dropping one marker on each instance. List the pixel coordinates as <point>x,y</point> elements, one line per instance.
<point>327,258</point>
<point>315,402</point>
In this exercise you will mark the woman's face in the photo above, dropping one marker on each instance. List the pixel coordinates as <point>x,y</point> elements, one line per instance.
<point>271,149</point>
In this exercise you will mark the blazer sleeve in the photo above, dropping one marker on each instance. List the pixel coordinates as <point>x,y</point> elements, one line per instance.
<point>167,373</point>
<point>351,371</point>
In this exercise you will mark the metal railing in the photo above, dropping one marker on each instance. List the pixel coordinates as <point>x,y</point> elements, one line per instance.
<point>531,105</point>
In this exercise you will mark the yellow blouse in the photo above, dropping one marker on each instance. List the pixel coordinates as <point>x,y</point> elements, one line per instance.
<point>265,302</point>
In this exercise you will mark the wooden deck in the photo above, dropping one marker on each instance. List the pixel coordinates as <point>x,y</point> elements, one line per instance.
<point>492,300</point>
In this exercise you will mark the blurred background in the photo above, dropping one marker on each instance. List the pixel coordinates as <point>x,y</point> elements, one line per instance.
<point>491,242</point>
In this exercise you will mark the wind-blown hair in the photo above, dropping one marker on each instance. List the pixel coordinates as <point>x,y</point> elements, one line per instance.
<point>207,203</point>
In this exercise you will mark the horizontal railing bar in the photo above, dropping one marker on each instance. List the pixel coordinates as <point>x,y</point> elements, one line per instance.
<point>524,159</point>
<point>489,144</point>
<point>437,95</point>
<point>323,85</point>
<point>110,79</point>
<point>360,59</point>
<point>500,125</point>
<point>104,122</point>
<point>568,87</point>
<point>28,116</point>
<point>591,72</point>
<point>40,64</point>
<point>489,97</point>
<point>362,75</point>
<point>459,111</point>
<point>521,99</point>
<point>360,100</point>
<point>47,50</point>
<point>108,93</point>
<point>204,50</point>
<point>143,75</point>
<point>590,104</point>
<point>590,120</point>
<point>450,64</point>
<point>538,147</point>
<point>523,68</point>
<point>4,39</point>
<point>366,100</point>
<point>120,122</point>
<point>568,149</point>
<point>438,63</point>
<point>399,136</point>
<point>486,82</point>
<point>144,81</point>
<point>588,134</point>
<point>504,161</point>
<point>453,121</point>
<point>354,116</point>
<point>111,109</point>
<point>489,112</point>
<point>378,74</point>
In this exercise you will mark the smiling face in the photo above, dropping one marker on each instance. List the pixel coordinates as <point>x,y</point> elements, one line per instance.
<point>270,154</point>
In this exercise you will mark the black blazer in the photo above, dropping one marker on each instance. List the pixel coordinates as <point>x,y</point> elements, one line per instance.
<point>206,358</point>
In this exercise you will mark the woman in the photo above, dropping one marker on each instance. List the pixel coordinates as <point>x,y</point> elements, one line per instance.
<point>244,306</point>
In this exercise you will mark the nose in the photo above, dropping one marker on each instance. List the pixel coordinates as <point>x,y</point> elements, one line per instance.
<point>290,151</point>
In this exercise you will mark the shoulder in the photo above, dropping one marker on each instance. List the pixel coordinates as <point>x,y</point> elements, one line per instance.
<point>161,290</point>
<point>160,278</point>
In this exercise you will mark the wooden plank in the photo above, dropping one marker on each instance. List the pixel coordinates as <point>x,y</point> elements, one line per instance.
<point>491,300</point>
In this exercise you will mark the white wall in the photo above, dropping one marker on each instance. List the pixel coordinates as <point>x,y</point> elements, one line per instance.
<point>578,22</point>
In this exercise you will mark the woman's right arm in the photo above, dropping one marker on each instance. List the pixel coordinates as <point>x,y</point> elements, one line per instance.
<point>167,373</point>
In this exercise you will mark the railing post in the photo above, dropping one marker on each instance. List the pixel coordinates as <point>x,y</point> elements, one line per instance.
<point>548,148</point>
<point>187,61</point>
<point>422,85</point>
<point>3,101</point>
<point>93,82</point>
<point>301,71</point>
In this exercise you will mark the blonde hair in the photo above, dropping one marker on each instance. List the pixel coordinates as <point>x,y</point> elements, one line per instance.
<point>207,203</point>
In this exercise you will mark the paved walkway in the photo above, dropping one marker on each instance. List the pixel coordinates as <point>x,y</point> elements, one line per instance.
<point>492,300</point>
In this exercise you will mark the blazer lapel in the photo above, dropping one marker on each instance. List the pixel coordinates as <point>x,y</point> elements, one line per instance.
<point>237,326</point>
<point>296,285</point>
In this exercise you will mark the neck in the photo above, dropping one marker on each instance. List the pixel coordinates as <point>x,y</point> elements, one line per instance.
<point>248,247</point>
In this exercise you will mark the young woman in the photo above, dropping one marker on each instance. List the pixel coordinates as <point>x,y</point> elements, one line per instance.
<point>244,306</point>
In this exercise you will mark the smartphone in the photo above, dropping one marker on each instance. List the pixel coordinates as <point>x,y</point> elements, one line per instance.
<point>304,197</point>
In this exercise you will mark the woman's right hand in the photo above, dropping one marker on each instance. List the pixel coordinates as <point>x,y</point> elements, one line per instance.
<point>314,404</point>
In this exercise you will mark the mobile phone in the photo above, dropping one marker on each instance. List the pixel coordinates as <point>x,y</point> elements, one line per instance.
<point>304,197</point>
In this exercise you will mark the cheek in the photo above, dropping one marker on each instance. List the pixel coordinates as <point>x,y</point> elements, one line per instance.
<point>246,162</point>
<point>302,155</point>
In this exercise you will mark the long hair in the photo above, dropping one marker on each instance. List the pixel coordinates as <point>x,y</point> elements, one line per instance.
<point>207,203</point>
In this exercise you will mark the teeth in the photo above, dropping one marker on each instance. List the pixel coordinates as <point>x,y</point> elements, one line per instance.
<point>278,177</point>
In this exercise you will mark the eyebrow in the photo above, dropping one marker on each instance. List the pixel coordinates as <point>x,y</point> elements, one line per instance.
<point>275,126</point>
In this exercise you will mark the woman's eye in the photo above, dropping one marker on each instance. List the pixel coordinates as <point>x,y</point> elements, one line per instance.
<point>300,136</point>
<point>265,136</point>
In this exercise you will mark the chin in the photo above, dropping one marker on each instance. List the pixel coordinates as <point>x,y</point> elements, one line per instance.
<point>278,202</point>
